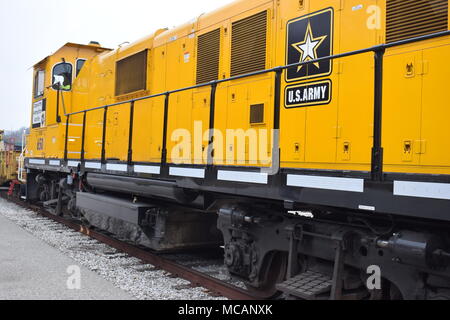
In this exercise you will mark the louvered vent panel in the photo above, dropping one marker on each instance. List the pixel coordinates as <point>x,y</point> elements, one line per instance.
<point>131,74</point>
<point>248,47</point>
<point>413,18</point>
<point>208,57</point>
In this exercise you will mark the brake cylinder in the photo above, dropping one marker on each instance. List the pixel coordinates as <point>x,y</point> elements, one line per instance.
<point>413,248</point>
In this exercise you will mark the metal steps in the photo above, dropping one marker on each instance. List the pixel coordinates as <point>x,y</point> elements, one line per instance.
<point>309,286</point>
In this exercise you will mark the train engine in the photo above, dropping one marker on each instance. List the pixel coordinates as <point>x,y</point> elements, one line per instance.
<point>308,138</point>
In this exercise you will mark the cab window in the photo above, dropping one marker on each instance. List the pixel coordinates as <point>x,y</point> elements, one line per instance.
<point>39,83</point>
<point>62,76</point>
<point>80,64</point>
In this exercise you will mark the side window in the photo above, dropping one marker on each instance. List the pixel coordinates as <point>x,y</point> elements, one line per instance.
<point>80,64</point>
<point>39,83</point>
<point>131,74</point>
<point>62,76</point>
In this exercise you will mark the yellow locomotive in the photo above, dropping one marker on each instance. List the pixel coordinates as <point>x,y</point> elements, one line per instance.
<point>259,116</point>
<point>8,160</point>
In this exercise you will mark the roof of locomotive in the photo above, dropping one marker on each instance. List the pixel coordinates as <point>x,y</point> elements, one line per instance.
<point>96,47</point>
<point>208,19</point>
<point>163,36</point>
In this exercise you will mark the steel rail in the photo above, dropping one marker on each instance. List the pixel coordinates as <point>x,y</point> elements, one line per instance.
<point>196,278</point>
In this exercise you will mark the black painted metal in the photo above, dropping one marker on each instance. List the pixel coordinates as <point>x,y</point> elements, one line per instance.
<point>66,138</point>
<point>130,134</point>
<point>83,138</point>
<point>58,118</point>
<point>378,195</point>
<point>212,114</point>
<point>105,120</point>
<point>377,150</point>
<point>336,290</point>
<point>277,98</point>
<point>166,118</point>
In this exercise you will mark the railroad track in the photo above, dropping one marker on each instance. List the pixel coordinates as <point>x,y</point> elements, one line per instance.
<point>196,278</point>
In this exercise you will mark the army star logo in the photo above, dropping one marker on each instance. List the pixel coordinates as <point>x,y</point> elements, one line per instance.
<point>308,47</point>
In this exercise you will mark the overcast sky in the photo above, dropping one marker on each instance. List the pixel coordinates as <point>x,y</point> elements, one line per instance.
<point>32,29</point>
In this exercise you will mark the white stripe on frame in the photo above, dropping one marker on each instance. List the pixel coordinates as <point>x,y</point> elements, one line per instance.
<point>55,162</point>
<point>37,161</point>
<point>367,208</point>
<point>326,183</point>
<point>73,163</point>
<point>243,176</point>
<point>147,169</point>
<point>422,190</point>
<point>188,172</point>
<point>117,167</point>
<point>93,165</point>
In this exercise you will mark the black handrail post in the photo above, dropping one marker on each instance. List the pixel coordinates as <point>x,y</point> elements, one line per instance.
<point>83,137</point>
<point>166,117</point>
<point>212,114</point>
<point>58,118</point>
<point>276,151</point>
<point>277,97</point>
<point>377,151</point>
<point>105,118</point>
<point>130,134</point>
<point>66,139</point>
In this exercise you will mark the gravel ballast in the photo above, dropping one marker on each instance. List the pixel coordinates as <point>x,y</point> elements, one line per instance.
<point>142,281</point>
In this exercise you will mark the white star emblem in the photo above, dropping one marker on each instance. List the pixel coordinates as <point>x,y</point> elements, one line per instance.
<point>308,47</point>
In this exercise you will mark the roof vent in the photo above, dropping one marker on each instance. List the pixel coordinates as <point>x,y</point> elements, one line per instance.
<point>94,43</point>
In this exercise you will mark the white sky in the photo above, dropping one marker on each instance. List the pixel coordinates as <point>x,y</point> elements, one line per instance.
<point>32,29</point>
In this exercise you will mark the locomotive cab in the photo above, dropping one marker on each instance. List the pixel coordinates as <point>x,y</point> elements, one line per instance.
<point>53,87</point>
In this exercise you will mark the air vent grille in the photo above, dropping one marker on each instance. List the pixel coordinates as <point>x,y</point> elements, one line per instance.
<point>413,18</point>
<point>131,74</point>
<point>208,55</point>
<point>248,47</point>
<point>257,114</point>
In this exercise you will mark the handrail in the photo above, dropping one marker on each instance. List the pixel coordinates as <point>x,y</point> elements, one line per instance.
<point>377,150</point>
<point>256,73</point>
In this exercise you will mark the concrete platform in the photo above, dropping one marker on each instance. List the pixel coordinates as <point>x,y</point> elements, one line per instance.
<point>32,270</point>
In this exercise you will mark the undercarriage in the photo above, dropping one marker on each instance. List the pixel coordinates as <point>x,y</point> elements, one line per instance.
<point>294,253</point>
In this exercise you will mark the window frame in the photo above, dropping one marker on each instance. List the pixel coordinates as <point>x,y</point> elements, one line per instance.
<point>77,72</point>
<point>71,76</point>
<point>36,95</point>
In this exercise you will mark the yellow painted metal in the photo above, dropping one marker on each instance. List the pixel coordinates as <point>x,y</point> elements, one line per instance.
<point>48,140</point>
<point>336,136</point>
<point>8,161</point>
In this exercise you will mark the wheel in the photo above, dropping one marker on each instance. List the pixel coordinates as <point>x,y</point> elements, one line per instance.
<point>43,192</point>
<point>273,272</point>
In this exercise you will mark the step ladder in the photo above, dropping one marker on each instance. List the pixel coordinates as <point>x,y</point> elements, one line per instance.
<point>309,285</point>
